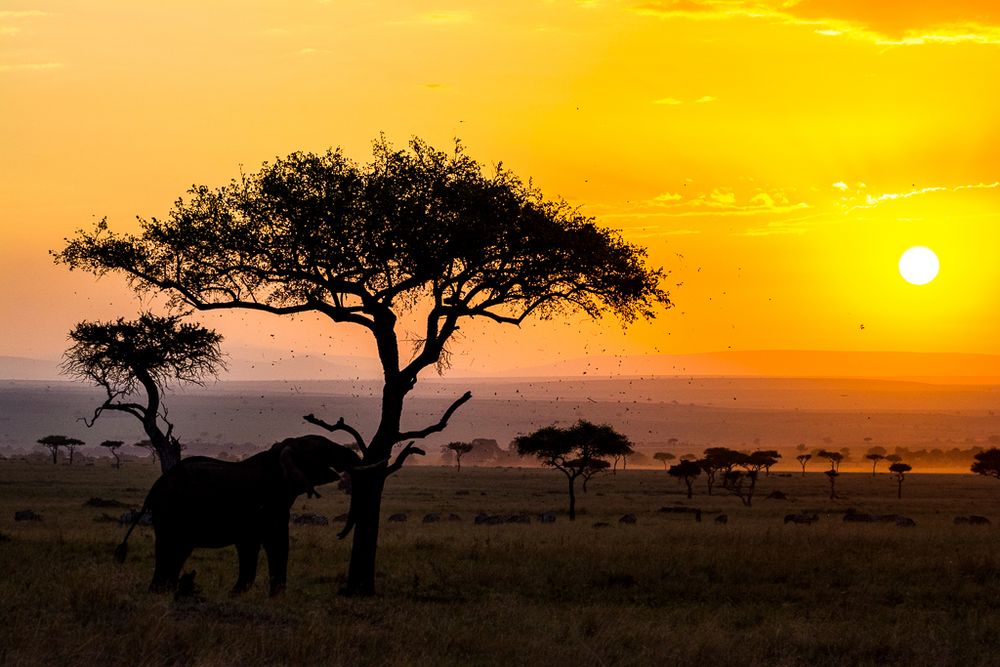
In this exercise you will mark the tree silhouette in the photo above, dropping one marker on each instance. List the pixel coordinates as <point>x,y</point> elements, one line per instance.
<point>875,456</point>
<point>987,463</point>
<point>835,458</point>
<point>460,449</point>
<point>418,232</point>
<point>145,356</point>
<point>899,470</point>
<point>832,475</point>
<point>664,457</point>
<point>803,459</point>
<point>54,442</point>
<point>112,446</point>
<point>579,451</point>
<point>148,446</point>
<point>686,470</point>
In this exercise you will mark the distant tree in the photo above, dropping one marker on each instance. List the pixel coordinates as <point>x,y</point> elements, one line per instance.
<point>112,446</point>
<point>874,457</point>
<point>148,446</point>
<point>578,451</point>
<point>801,447</point>
<point>987,463</point>
<point>459,449</point>
<point>664,457</point>
<point>144,356</point>
<point>834,458</point>
<point>832,475</point>
<point>893,458</point>
<point>742,483</point>
<point>687,471</point>
<point>899,470</point>
<point>803,459</point>
<point>55,442</point>
<point>622,457</point>
<point>764,458</point>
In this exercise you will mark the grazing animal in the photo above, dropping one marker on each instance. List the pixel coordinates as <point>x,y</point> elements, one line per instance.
<point>801,518</point>
<point>432,518</point>
<point>398,518</point>
<point>627,518</point>
<point>722,518</point>
<point>205,502</point>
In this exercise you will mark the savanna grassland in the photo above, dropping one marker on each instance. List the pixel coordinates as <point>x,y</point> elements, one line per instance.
<point>666,590</point>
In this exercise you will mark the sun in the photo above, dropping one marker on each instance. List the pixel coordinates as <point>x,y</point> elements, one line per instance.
<point>919,265</point>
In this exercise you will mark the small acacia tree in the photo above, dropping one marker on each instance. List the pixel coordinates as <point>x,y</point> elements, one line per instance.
<point>664,457</point>
<point>832,475</point>
<point>687,471</point>
<point>803,459</point>
<point>54,442</point>
<point>899,470</point>
<point>459,449</point>
<point>835,458</point>
<point>579,451</point>
<point>112,446</point>
<point>875,457</point>
<point>987,463</point>
<point>419,233</point>
<point>144,356</point>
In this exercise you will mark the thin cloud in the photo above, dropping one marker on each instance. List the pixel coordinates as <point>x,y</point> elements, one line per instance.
<point>670,101</point>
<point>29,67</point>
<point>445,17</point>
<point>705,99</point>
<point>871,201</point>
<point>22,14</point>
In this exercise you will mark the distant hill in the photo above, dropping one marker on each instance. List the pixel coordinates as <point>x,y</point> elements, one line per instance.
<point>931,366</point>
<point>934,367</point>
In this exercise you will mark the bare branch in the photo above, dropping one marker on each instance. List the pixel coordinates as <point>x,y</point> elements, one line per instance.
<point>403,455</point>
<point>440,426</point>
<point>339,426</point>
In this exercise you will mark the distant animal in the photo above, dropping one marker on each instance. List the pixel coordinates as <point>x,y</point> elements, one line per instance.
<point>432,518</point>
<point>398,518</point>
<point>27,515</point>
<point>205,502</point>
<point>723,519</point>
<point>309,519</point>
<point>977,520</point>
<point>547,517</point>
<point>905,522</point>
<point>627,519</point>
<point>801,518</point>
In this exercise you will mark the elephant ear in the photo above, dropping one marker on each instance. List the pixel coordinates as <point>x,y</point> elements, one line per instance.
<point>294,473</point>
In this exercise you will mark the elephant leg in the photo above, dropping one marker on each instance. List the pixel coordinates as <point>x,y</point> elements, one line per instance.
<point>170,557</point>
<point>248,553</point>
<point>276,548</point>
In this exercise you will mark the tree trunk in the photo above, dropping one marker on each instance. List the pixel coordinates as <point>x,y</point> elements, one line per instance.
<point>167,450</point>
<point>899,489</point>
<point>118,461</point>
<point>803,469</point>
<point>690,483</point>
<point>366,506</point>
<point>55,454</point>
<point>458,463</point>
<point>572,499</point>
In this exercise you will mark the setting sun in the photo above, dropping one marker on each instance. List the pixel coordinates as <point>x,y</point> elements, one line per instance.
<point>919,265</point>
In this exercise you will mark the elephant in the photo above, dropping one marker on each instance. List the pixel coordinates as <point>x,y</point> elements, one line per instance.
<point>205,502</point>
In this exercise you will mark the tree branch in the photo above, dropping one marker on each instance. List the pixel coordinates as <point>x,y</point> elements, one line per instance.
<point>339,426</point>
<point>440,426</point>
<point>402,456</point>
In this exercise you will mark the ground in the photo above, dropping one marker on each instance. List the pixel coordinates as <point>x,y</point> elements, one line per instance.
<point>666,590</point>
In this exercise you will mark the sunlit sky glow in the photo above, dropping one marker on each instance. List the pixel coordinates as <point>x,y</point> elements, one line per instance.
<point>777,156</point>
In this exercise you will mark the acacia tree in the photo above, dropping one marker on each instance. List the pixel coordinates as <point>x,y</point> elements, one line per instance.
<point>148,446</point>
<point>579,451</point>
<point>664,457</point>
<point>875,456</point>
<point>459,449</point>
<point>987,463</point>
<point>129,359</point>
<point>54,442</point>
<point>686,470</point>
<point>832,475</point>
<point>418,233</point>
<point>835,458</point>
<point>112,446</point>
<point>803,459</point>
<point>899,470</point>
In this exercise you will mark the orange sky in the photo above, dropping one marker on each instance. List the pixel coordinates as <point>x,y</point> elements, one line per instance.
<point>777,156</point>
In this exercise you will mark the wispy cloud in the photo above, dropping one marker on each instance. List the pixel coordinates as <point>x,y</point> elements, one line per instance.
<point>446,17</point>
<point>21,14</point>
<point>862,200</point>
<point>835,20</point>
<point>704,99</point>
<point>669,101</point>
<point>29,67</point>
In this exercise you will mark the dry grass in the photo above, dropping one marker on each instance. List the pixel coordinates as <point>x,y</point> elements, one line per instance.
<point>664,591</point>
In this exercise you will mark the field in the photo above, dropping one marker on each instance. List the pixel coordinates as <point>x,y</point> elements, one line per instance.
<point>666,590</point>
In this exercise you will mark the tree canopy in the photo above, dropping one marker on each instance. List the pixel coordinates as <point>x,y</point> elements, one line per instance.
<point>580,450</point>
<point>987,463</point>
<point>149,354</point>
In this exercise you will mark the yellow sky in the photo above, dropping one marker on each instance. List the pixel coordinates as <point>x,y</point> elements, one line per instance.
<point>778,156</point>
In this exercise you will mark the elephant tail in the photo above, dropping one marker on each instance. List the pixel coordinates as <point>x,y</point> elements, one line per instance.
<point>121,551</point>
